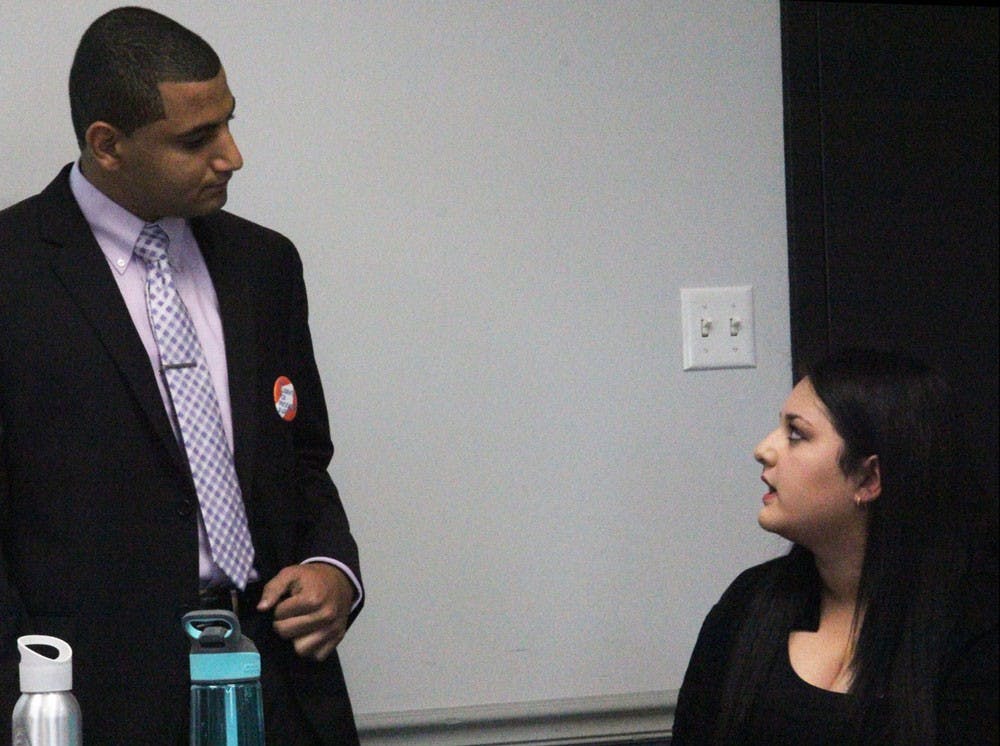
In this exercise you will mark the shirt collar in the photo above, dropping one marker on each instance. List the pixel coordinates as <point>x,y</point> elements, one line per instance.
<point>116,229</point>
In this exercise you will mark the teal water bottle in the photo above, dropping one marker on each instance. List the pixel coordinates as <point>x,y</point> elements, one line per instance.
<point>226,706</point>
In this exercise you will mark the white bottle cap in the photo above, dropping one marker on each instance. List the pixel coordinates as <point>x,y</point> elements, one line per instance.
<point>41,673</point>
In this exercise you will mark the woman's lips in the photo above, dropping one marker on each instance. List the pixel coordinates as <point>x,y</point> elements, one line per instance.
<point>770,494</point>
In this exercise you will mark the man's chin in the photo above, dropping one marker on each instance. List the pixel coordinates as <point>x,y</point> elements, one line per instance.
<point>209,206</point>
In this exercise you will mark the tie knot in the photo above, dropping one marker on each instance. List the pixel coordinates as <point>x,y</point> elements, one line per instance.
<point>152,244</point>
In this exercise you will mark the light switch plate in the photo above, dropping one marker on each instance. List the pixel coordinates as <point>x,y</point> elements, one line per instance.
<point>718,327</point>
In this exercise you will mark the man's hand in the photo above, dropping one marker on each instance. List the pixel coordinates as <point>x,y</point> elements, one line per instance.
<point>311,603</point>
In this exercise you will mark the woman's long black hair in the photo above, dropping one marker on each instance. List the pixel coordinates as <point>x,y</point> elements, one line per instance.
<point>899,409</point>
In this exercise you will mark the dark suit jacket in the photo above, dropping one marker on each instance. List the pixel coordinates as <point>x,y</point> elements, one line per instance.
<point>98,539</point>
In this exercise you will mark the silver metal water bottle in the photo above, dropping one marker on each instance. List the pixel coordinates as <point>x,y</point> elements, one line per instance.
<point>47,713</point>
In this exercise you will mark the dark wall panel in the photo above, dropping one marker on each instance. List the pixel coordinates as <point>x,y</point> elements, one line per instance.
<point>891,139</point>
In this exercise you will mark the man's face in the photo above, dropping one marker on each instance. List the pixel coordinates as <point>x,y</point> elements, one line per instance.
<point>178,166</point>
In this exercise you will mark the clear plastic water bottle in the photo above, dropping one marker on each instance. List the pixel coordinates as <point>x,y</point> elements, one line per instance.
<point>47,713</point>
<point>226,705</point>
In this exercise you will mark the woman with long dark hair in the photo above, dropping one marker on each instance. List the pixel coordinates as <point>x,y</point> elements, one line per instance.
<point>880,625</point>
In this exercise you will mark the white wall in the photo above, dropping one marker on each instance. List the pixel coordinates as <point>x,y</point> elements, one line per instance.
<point>497,204</point>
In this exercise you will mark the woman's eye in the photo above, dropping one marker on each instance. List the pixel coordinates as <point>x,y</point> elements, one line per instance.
<point>794,435</point>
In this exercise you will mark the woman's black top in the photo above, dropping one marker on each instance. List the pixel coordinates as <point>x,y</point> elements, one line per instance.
<point>790,711</point>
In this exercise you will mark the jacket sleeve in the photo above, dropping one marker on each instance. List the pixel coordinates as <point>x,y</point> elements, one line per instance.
<point>282,456</point>
<point>326,532</point>
<point>11,611</point>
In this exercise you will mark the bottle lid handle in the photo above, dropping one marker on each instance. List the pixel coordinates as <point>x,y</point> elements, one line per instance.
<point>212,628</point>
<point>40,672</point>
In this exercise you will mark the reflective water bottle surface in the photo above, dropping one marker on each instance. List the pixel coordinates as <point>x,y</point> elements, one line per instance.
<point>226,704</point>
<point>47,713</point>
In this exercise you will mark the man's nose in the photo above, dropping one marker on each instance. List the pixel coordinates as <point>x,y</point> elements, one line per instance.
<point>229,157</point>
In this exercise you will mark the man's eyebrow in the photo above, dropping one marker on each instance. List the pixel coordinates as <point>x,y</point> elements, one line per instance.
<point>208,126</point>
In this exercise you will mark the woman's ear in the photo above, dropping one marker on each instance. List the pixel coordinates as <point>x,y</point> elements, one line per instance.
<point>869,485</point>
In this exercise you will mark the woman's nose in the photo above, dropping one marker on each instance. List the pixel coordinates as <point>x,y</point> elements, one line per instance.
<point>763,453</point>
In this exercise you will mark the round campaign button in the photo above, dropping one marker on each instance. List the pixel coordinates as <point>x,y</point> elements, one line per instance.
<point>285,399</point>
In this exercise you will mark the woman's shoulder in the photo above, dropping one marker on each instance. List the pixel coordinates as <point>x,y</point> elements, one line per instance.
<point>731,608</point>
<point>752,580</point>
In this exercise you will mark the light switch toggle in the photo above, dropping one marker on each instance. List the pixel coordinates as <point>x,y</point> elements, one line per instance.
<point>726,344</point>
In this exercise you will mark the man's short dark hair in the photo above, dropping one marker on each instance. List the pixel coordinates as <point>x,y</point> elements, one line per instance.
<point>120,62</point>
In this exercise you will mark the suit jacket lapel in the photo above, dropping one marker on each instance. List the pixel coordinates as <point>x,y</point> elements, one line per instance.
<point>81,267</point>
<point>225,260</point>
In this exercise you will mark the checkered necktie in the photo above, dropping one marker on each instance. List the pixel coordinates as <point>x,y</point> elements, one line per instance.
<point>197,410</point>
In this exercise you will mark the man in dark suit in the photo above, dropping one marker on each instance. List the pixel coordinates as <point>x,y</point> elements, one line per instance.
<point>104,539</point>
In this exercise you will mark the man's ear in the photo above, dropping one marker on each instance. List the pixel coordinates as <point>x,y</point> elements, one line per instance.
<point>103,141</point>
<point>869,485</point>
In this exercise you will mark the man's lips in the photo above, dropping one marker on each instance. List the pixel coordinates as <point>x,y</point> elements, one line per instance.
<point>219,186</point>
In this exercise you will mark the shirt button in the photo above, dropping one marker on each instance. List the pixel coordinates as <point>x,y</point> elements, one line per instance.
<point>121,262</point>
